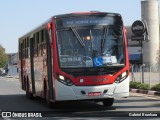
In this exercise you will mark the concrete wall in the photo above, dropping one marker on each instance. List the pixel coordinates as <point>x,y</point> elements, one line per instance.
<point>152,78</point>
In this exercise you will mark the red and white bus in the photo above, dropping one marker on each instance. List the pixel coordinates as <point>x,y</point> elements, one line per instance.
<point>77,56</point>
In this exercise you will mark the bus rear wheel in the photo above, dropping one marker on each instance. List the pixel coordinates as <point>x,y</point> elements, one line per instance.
<point>108,102</point>
<point>28,94</point>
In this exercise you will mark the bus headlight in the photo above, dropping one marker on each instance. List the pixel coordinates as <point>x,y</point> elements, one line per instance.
<point>64,80</point>
<point>124,74</point>
<point>61,77</point>
<point>122,77</point>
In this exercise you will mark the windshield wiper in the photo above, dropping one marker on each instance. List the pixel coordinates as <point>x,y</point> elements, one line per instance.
<point>105,31</point>
<point>78,37</point>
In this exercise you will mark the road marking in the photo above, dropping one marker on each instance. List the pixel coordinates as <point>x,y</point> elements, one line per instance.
<point>152,98</point>
<point>146,96</point>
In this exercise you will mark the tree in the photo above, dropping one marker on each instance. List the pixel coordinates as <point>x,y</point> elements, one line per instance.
<point>3,57</point>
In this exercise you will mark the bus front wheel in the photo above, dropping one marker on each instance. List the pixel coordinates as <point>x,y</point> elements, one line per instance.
<point>108,102</point>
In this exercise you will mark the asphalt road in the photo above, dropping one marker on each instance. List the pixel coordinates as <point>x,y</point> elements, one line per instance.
<point>13,99</point>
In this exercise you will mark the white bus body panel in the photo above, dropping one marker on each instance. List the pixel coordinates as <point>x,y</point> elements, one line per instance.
<point>64,92</point>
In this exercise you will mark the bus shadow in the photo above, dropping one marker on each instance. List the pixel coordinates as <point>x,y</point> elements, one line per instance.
<point>80,106</point>
<point>19,102</point>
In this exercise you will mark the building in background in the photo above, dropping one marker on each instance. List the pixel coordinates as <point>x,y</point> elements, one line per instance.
<point>135,52</point>
<point>12,67</point>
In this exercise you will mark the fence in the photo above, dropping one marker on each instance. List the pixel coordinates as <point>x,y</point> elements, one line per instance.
<point>151,74</point>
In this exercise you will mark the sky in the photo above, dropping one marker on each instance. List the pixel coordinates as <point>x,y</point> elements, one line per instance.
<point>17,17</point>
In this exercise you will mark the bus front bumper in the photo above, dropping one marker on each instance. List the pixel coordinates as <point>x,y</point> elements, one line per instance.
<point>115,90</point>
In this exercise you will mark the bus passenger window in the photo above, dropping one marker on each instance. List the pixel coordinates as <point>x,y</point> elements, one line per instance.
<point>35,52</point>
<point>44,50</point>
<point>28,52</point>
<point>40,50</point>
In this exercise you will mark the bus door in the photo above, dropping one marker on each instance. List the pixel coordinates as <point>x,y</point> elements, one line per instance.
<point>49,62</point>
<point>32,63</point>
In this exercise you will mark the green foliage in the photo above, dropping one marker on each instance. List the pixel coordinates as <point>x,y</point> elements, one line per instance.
<point>139,85</point>
<point>134,84</point>
<point>156,87</point>
<point>144,86</point>
<point>3,57</point>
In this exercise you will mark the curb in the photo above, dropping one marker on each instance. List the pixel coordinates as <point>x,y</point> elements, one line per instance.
<point>149,92</point>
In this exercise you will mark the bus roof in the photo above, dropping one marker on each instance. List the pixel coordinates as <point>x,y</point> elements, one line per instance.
<point>75,14</point>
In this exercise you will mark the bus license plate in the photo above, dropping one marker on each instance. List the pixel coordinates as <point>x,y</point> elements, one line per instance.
<point>90,94</point>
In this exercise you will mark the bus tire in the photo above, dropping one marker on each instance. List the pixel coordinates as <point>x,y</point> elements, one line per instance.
<point>108,102</point>
<point>50,104</point>
<point>28,94</point>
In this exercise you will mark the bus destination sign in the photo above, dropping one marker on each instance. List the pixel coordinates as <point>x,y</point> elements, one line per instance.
<point>88,21</point>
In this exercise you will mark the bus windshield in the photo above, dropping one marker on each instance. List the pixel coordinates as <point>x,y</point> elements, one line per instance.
<point>91,46</point>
